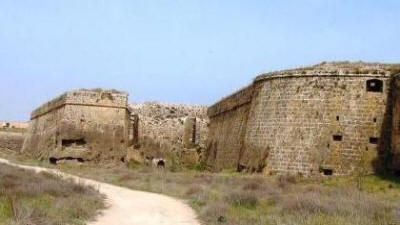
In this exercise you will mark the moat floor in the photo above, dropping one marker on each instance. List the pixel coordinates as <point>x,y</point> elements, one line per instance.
<point>126,206</point>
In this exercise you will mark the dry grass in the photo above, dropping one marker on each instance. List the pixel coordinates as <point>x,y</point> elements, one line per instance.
<point>27,198</point>
<point>238,199</point>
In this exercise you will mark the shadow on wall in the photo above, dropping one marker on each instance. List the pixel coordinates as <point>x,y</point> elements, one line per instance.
<point>385,164</point>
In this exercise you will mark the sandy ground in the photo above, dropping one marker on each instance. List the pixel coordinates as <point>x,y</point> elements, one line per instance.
<point>131,207</point>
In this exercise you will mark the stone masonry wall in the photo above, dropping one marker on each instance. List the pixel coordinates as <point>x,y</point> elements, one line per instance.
<point>395,138</point>
<point>325,119</point>
<point>161,128</point>
<point>228,121</point>
<point>310,123</point>
<point>86,125</point>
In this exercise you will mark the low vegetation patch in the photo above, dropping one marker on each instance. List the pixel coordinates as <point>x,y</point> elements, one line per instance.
<point>243,199</point>
<point>237,199</point>
<point>29,198</point>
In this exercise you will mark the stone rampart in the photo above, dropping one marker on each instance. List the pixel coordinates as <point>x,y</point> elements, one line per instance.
<point>86,97</point>
<point>395,134</point>
<point>314,120</point>
<point>83,125</point>
<point>233,101</point>
<point>169,128</point>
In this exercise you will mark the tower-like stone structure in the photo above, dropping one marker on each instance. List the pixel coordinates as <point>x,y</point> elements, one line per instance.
<point>331,119</point>
<point>82,125</point>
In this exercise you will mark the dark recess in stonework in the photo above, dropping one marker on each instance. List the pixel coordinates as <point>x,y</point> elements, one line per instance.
<point>373,140</point>
<point>76,142</point>
<point>375,85</point>
<point>337,137</point>
<point>327,172</point>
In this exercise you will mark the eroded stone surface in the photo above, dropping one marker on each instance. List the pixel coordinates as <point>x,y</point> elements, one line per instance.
<point>163,129</point>
<point>331,118</point>
<point>83,124</point>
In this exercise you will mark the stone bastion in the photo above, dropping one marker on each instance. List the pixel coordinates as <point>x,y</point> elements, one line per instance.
<point>332,118</point>
<point>82,125</point>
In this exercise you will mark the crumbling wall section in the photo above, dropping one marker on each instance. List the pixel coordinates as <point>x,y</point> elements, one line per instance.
<point>161,130</point>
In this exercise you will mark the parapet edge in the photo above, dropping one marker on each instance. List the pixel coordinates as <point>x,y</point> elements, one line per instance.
<point>84,97</point>
<point>234,100</point>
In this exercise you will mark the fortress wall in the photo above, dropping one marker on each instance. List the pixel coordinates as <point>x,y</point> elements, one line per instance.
<point>161,128</point>
<point>103,129</point>
<point>228,120</point>
<point>74,126</point>
<point>308,123</point>
<point>396,124</point>
<point>93,98</point>
<point>41,134</point>
<point>231,102</point>
<point>225,138</point>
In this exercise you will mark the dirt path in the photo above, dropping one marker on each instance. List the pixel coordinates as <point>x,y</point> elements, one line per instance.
<point>131,207</point>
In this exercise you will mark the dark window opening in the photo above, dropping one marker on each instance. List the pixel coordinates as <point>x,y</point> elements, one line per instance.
<point>337,137</point>
<point>373,140</point>
<point>374,85</point>
<point>53,160</point>
<point>73,142</point>
<point>337,118</point>
<point>328,145</point>
<point>374,120</point>
<point>366,149</point>
<point>327,172</point>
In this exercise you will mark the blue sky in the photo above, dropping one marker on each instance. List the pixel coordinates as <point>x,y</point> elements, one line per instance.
<point>183,51</point>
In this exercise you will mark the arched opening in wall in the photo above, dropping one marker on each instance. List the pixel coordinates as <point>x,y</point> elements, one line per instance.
<point>374,85</point>
<point>161,164</point>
